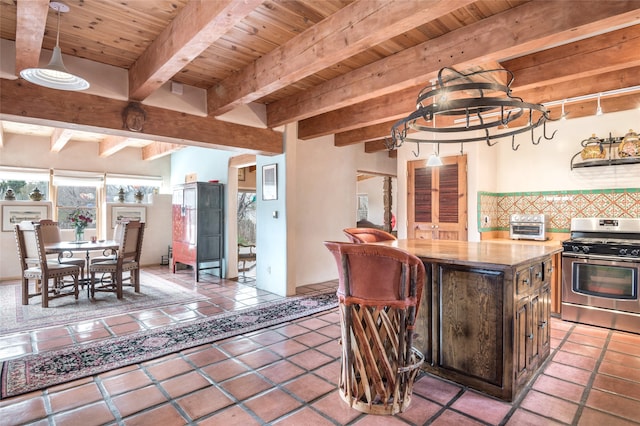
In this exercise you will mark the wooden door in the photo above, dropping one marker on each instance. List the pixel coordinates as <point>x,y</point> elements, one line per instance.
<point>437,199</point>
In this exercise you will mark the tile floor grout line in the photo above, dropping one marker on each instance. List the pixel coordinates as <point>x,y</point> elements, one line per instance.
<point>516,404</point>
<point>589,386</point>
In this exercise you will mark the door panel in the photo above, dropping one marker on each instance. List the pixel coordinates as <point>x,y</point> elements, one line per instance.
<point>437,199</point>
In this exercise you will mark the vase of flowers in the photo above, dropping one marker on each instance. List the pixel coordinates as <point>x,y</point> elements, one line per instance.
<point>80,218</point>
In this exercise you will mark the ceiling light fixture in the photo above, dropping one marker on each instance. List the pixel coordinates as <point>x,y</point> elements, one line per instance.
<point>55,75</point>
<point>599,109</point>
<point>470,103</point>
<point>434,159</point>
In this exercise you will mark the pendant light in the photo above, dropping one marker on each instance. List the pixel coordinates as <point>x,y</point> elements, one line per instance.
<point>599,109</point>
<point>55,75</point>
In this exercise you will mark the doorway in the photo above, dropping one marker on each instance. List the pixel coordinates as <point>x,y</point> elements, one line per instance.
<point>437,199</point>
<point>375,206</point>
<point>241,227</point>
<point>247,223</point>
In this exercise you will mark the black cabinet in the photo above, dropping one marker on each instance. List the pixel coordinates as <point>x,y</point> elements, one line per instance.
<point>198,226</point>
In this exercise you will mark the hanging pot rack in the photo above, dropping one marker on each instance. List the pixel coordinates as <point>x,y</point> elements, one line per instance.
<point>472,105</point>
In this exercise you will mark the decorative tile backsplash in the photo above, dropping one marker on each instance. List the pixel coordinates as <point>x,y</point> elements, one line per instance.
<point>559,206</point>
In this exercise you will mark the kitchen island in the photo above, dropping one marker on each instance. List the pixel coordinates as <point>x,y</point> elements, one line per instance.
<point>484,317</point>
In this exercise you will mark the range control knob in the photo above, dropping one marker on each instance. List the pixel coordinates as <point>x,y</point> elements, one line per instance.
<point>575,249</point>
<point>585,249</point>
<point>623,252</point>
<point>635,252</point>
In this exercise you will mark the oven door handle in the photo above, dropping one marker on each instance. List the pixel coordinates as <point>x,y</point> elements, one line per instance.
<point>598,257</point>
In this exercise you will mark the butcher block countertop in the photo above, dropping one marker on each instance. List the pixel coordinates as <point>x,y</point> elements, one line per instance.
<point>490,252</point>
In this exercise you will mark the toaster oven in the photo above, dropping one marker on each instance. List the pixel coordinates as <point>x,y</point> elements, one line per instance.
<point>528,227</point>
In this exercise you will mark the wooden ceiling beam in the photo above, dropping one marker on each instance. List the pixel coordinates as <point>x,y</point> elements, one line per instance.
<point>363,134</point>
<point>374,146</point>
<point>382,109</point>
<point>159,149</point>
<point>197,26</point>
<point>112,144</point>
<point>605,82</point>
<point>21,101</point>
<point>31,21</point>
<point>521,30</point>
<point>349,31</point>
<point>59,139</point>
<point>607,52</point>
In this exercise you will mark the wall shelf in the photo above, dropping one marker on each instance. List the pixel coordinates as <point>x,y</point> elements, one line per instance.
<point>610,146</point>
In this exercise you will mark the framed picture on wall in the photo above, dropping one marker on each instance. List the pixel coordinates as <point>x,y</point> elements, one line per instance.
<point>270,182</point>
<point>14,214</point>
<point>241,174</point>
<point>130,213</point>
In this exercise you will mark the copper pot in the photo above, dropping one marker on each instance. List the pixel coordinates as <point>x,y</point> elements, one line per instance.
<point>629,146</point>
<point>593,149</point>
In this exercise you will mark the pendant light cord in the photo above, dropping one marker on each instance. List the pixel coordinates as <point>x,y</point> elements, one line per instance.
<point>58,30</point>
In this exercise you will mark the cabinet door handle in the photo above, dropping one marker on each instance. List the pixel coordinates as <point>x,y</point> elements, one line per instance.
<point>539,275</point>
<point>525,281</point>
<point>543,324</point>
<point>531,336</point>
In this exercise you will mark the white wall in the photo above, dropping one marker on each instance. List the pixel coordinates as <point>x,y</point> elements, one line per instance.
<point>547,166</point>
<point>326,203</point>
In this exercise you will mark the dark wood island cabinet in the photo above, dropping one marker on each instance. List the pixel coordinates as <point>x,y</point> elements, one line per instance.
<point>485,312</point>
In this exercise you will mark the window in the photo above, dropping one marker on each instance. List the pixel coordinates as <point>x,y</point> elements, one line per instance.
<point>23,181</point>
<point>76,190</point>
<point>130,185</point>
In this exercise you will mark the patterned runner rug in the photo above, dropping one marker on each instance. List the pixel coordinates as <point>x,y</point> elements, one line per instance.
<point>154,291</point>
<point>39,371</point>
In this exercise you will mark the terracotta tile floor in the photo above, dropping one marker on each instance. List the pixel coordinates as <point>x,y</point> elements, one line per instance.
<point>287,374</point>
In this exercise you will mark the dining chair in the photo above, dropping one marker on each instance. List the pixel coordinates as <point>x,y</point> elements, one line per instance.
<point>367,235</point>
<point>379,291</point>
<point>110,254</point>
<point>29,239</point>
<point>51,235</point>
<point>127,260</point>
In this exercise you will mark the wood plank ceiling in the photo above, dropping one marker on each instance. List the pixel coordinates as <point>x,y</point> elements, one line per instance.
<point>342,67</point>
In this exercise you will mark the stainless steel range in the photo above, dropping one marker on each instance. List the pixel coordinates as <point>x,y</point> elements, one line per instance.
<point>600,268</point>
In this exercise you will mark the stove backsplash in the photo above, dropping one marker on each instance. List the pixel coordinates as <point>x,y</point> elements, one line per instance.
<point>494,209</point>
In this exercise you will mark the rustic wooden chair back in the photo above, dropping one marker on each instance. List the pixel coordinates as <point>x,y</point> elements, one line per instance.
<point>51,235</point>
<point>110,254</point>
<point>127,260</point>
<point>31,246</point>
<point>367,235</point>
<point>379,291</point>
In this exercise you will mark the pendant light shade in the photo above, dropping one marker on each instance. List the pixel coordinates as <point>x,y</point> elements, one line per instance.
<point>434,160</point>
<point>55,75</point>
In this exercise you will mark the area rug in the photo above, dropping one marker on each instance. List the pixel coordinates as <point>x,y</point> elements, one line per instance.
<point>39,371</point>
<point>154,292</point>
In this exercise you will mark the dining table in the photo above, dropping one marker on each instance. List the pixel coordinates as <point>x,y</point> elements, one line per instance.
<point>63,247</point>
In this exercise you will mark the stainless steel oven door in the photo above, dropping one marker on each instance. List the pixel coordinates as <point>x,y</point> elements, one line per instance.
<point>601,281</point>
